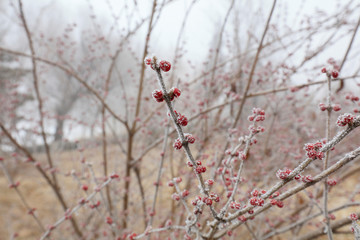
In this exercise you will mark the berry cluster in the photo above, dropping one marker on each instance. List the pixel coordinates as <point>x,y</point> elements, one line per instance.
<point>313,150</point>
<point>278,203</point>
<point>333,73</point>
<point>158,95</point>
<point>181,119</point>
<point>163,65</point>
<point>352,97</point>
<point>185,193</point>
<point>283,174</point>
<point>345,119</point>
<point>200,169</point>
<point>307,179</point>
<point>188,138</point>
<point>354,217</point>
<point>335,107</point>
<point>257,116</point>
<point>255,201</point>
<point>177,144</point>
<point>235,205</point>
<point>331,182</point>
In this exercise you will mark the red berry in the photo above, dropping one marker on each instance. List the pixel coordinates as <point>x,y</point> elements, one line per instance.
<point>336,107</point>
<point>177,144</point>
<point>132,236</point>
<point>158,95</point>
<point>176,92</point>
<point>85,187</point>
<point>182,120</point>
<point>109,220</point>
<point>345,119</point>
<point>334,74</point>
<point>114,175</point>
<point>307,179</point>
<point>189,138</point>
<point>331,182</point>
<point>354,217</point>
<point>207,201</point>
<point>209,182</point>
<point>322,106</point>
<point>176,197</point>
<point>185,193</point>
<point>323,70</point>
<point>254,201</point>
<point>165,65</point>
<point>280,204</point>
<point>255,193</point>
<point>354,98</point>
<point>148,61</point>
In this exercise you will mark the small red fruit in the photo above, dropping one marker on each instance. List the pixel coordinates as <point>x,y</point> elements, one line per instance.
<point>176,92</point>
<point>177,144</point>
<point>334,74</point>
<point>165,65</point>
<point>158,95</point>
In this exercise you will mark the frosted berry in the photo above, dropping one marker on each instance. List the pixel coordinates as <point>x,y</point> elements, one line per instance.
<point>207,201</point>
<point>214,197</point>
<point>176,92</point>
<point>185,193</point>
<point>182,120</point>
<point>334,74</point>
<point>165,65</point>
<point>307,179</point>
<point>323,70</point>
<point>283,174</point>
<point>177,144</point>
<point>331,182</point>
<point>209,182</point>
<point>322,106</point>
<point>148,61</point>
<point>235,205</point>
<point>200,169</point>
<point>336,107</point>
<point>255,193</point>
<point>254,201</point>
<point>280,204</point>
<point>354,217</point>
<point>345,119</point>
<point>158,95</point>
<point>178,180</point>
<point>175,196</point>
<point>242,218</point>
<point>189,138</point>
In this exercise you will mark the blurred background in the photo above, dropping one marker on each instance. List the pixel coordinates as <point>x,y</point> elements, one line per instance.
<point>97,105</point>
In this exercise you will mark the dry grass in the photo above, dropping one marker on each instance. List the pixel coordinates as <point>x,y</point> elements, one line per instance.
<point>14,218</point>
